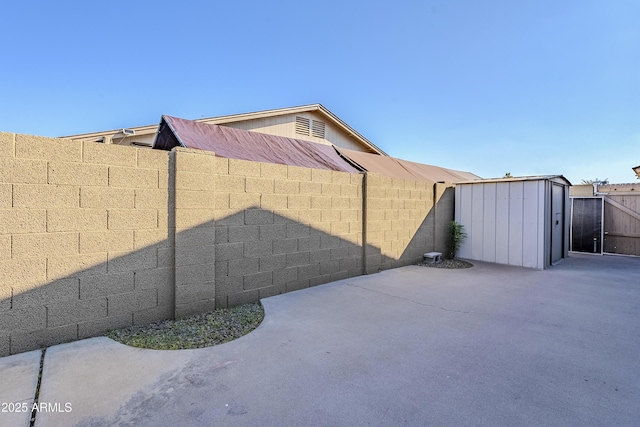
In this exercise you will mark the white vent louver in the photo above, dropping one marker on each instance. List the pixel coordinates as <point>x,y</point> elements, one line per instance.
<point>317,129</point>
<point>302,125</point>
<point>306,126</point>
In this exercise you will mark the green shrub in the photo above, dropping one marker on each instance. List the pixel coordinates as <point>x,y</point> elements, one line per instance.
<point>456,237</point>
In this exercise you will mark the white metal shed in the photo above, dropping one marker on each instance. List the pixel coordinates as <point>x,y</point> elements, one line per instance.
<point>521,221</point>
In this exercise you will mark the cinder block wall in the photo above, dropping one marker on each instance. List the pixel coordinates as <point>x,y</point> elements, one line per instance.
<point>95,236</point>
<point>585,190</point>
<point>282,228</point>
<point>192,182</point>
<point>83,240</point>
<point>400,221</point>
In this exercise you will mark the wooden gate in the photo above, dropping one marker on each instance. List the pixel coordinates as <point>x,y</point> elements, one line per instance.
<point>622,224</point>
<point>620,220</point>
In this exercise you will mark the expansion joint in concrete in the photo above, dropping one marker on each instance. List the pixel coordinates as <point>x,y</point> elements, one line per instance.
<point>414,301</point>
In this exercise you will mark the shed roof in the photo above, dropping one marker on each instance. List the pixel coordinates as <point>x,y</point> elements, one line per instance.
<point>518,178</point>
<point>246,145</point>
<point>398,168</point>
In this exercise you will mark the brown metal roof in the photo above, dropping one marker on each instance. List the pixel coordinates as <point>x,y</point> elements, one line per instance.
<point>246,145</point>
<point>398,168</point>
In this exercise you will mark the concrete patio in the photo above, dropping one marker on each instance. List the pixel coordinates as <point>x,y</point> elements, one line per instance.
<point>492,345</point>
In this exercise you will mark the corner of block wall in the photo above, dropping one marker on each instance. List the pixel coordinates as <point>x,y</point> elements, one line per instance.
<point>153,159</point>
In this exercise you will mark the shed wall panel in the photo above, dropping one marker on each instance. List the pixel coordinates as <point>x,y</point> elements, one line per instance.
<point>489,226</point>
<point>530,224</point>
<point>502,223</point>
<point>465,205</point>
<point>477,221</point>
<point>456,207</point>
<point>544,213</point>
<point>547,222</point>
<point>516,190</point>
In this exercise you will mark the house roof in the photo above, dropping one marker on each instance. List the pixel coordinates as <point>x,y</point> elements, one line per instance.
<point>319,108</point>
<point>398,168</point>
<point>245,145</point>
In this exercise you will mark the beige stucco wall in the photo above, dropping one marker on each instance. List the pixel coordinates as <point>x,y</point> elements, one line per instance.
<point>97,236</point>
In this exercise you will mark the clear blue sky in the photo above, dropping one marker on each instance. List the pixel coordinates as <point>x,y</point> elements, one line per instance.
<point>526,87</point>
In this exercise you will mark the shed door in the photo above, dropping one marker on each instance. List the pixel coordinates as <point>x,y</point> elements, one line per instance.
<point>586,225</point>
<point>557,223</point>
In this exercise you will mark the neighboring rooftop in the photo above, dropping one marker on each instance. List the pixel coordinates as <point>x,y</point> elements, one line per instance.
<point>313,123</point>
<point>405,169</point>
<point>244,145</point>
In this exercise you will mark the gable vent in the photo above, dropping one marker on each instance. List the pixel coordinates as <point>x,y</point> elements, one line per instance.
<point>317,129</point>
<point>302,125</point>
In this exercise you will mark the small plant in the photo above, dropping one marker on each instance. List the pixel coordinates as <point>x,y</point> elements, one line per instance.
<point>456,237</point>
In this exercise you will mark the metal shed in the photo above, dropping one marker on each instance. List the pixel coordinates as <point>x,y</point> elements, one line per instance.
<point>521,221</point>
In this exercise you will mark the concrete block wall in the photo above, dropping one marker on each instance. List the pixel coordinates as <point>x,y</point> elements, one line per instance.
<point>399,228</point>
<point>193,197</point>
<point>585,190</point>
<point>83,240</point>
<point>281,228</point>
<point>97,236</point>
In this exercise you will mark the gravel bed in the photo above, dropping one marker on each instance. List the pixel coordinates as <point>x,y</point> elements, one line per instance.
<point>448,263</point>
<point>203,330</point>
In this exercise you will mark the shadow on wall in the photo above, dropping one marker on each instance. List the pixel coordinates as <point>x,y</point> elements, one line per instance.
<point>260,253</point>
<point>83,296</point>
<point>431,235</point>
<point>243,257</point>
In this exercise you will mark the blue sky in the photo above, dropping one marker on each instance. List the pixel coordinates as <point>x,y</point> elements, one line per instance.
<point>496,86</point>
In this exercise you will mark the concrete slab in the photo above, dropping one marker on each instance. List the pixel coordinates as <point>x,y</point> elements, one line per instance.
<point>18,382</point>
<point>491,345</point>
